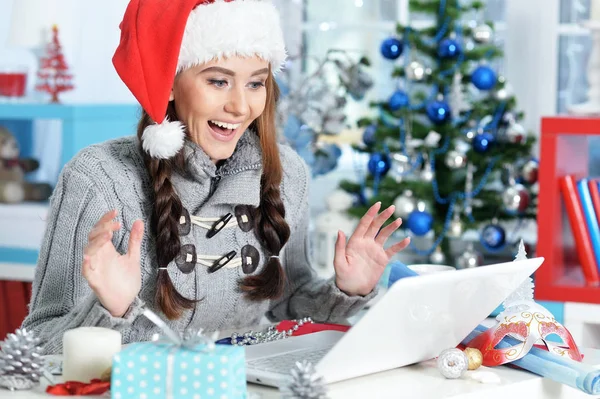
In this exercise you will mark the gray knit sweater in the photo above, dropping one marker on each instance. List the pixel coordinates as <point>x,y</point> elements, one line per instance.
<point>112,175</point>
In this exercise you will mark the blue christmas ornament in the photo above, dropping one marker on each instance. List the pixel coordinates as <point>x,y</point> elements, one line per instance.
<point>379,164</point>
<point>493,236</point>
<point>438,111</point>
<point>484,77</point>
<point>399,100</point>
<point>369,135</point>
<point>449,48</point>
<point>420,222</point>
<point>483,142</point>
<point>391,48</point>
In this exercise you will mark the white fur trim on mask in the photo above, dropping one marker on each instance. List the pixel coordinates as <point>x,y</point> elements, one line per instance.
<point>244,28</point>
<point>163,140</point>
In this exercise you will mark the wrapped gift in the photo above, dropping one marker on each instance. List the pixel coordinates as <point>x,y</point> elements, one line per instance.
<point>192,367</point>
<point>156,370</point>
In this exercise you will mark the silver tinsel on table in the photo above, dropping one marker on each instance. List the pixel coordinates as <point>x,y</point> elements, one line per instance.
<point>304,384</point>
<point>20,361</point>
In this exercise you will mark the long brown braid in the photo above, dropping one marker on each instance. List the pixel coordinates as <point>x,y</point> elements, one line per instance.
<point>271,227</point>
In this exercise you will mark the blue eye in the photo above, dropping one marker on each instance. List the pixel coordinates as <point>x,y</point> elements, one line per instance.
<point>218,83</point>
<point>256,85</point>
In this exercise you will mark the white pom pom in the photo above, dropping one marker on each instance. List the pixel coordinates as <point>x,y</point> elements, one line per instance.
<point>163,140</point>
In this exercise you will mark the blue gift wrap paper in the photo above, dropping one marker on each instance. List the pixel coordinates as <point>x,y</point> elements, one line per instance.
<point>156,370</point>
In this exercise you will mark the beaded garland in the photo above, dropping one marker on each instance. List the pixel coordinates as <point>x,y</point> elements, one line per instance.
<point>269,335</point>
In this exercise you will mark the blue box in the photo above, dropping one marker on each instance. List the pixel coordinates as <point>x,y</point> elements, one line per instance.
<point>146,370</point>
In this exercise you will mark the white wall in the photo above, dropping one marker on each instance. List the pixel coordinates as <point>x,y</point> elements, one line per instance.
<point>90,38</point>
<point>532,58</point>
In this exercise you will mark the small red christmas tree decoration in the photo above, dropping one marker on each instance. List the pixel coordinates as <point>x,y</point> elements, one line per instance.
<point>54,76</point>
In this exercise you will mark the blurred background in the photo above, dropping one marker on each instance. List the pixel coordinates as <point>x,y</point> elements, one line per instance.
<point>435,106</point>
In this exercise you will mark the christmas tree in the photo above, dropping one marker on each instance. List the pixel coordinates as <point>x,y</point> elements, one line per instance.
<point>446,147</point>
<point>54,77</point>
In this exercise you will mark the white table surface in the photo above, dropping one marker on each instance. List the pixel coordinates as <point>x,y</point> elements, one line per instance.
<point>420,381</point>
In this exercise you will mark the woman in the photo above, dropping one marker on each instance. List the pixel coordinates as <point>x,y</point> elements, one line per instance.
<point>202,216</point>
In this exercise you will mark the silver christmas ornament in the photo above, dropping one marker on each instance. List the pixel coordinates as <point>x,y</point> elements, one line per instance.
<point>470,134</point>
<point>452,363</point>
<point>469,259</point>
<point>530,171</point>
<point>400,166</point>
<point>483,34</point>
<point>507,174</point>
<point>509,117</point>
<point>455,159</point>
<point>423,206</point>
<point>20,361</point>
<point>354,78</point>
<point>304,384</point>
<point>427,173</point>
<point>515,133</point>
<point>515,198</point>
<point>503,93</point>
<point>416,71</point>
<point>456,227</point>
<point>432,139</point>
<point>404,205</point>
<point>457,98</point>
<point>437,257</point>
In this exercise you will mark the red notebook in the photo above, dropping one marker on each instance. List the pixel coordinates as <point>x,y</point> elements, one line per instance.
<point>310,328</point>
<point>583,244</point>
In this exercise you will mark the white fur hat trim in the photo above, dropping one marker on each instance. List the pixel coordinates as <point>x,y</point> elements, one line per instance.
<point>244,28</point>
<point>163,140</point>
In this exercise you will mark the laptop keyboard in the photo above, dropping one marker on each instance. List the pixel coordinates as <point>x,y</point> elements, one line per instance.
<point>287,361</point>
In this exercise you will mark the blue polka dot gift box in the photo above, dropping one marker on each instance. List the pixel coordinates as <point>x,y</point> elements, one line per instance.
<point>156,370</point>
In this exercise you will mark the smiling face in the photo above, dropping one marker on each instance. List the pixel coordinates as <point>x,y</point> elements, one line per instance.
<point>218,100</point>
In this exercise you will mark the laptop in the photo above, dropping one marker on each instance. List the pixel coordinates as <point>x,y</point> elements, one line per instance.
<point>414,321</point>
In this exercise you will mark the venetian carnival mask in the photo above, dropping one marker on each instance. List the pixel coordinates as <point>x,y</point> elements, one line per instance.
<point>530,324</point>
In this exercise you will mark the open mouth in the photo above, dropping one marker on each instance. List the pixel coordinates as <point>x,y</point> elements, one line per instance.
<point>225,130</point>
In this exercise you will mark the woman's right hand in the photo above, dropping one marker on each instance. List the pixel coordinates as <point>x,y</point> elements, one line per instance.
<point>116,279</point>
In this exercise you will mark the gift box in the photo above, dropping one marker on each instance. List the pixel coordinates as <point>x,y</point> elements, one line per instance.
<point>148,370</point>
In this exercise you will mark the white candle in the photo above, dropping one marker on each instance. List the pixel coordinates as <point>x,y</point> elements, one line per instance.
<point>88,352</point>
<point>595,10</point>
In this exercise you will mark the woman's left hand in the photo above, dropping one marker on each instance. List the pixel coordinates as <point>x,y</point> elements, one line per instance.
<point>360,263</point>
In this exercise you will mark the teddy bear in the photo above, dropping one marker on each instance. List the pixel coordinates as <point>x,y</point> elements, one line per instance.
<point>13,187</point>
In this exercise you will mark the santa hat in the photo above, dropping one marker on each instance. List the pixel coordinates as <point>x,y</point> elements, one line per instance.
<point>160,38</point>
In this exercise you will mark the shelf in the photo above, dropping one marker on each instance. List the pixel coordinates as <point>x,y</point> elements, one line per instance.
<point>30,111</point>
<point>22,225</point>
<point>564,151</point>
<point>16,272</point>
<point>82,124</point>
<point>571,287</point>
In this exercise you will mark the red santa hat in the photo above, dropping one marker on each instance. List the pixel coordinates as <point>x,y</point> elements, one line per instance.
<point>160,38</point>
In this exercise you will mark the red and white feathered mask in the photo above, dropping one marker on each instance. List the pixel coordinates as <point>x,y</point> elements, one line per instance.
<point>160,38</point>
<point>531,324</point>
